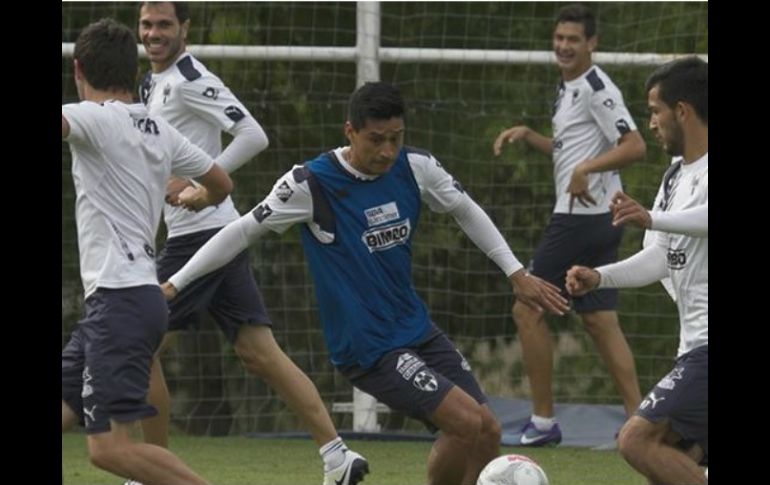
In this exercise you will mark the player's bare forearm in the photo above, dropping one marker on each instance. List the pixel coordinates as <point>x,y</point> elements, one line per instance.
<point>537,293</point>
<point>525,134</point>
<point>630,148</point>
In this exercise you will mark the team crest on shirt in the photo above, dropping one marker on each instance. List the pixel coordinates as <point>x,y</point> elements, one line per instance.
<point>425,381</point>
<point>166,92</point>
<point>381,214</point>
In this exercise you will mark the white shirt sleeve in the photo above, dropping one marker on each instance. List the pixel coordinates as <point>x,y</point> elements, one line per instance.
<point>610,112</point>
<point>212,101</point>
<point>248,140</point>
<point>86,122</point>
<point>187,159</point>
<point>287,204</point>
<point>481,230</point>
<point>693,221</point>
<point>643,268</point>
<point>438,188</point>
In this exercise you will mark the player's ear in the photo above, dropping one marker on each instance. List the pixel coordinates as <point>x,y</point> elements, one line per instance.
<point>185,27</point>
<point>349,130</point>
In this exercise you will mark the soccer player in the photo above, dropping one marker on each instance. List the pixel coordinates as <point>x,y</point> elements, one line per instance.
<point>593,137</point>
<point>180,89</point>
<point>668,436</point>
<point>121,160</point>
<point>359,207</point>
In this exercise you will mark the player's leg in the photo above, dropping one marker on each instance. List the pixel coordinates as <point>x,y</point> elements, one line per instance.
<point>115,452</point>
<point>185,312</point>
<point>642,444</point>
<point>239,309</point>
<point>537,353</point>
<point>611,343</point>
<point>156,429</point>
<point>598,242</point>
<point>261,355</point>
<point>459,419</point>
<point>675,412</point>
<point>441,355</point>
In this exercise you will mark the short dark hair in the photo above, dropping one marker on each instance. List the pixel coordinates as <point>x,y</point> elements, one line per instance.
<point>106,53</point>
<point>580,14</point>
<point>374,100</point>
<point>181,10</point>
<point>683,80</point>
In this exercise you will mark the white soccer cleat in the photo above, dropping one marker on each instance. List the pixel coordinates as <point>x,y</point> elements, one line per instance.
<point>350,472</point>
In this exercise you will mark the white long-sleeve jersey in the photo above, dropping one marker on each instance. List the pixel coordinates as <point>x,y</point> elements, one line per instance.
<point>681,253</point>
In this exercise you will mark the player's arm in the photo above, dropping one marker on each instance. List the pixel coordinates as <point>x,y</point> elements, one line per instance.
<point>444,194</point>
<point>214,186</point>
<point>527,288</point>
<point>275,213</point>
<point>643,268</point>
<point>693,221</point>
<point>65,127</point>
<point>534,139</point>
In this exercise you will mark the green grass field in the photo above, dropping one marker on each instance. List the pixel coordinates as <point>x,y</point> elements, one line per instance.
<point>245,461</point>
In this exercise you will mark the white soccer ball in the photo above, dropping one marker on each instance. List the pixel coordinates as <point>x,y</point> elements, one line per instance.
<point>512,470</point>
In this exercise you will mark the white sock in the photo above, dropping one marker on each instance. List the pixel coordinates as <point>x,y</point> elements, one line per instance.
<point>333,453</point>
<point>543,424</point>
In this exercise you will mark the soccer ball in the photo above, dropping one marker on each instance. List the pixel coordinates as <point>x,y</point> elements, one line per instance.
<point>512,470</point>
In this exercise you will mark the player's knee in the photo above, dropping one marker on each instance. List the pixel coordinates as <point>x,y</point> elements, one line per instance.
<point>467,425</point>
<point>526,317</point>
<point>491,432</point>
<point>105,457</point>
<point>633,440</point>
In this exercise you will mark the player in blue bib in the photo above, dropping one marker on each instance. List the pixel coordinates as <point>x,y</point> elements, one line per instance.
<point>359,207</point>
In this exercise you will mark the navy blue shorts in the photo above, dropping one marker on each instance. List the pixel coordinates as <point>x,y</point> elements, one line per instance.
<point>414,380</point>
<point>682,398</point>
<point>230,294</point>
<point>588,240</point>
<point>105,367</point>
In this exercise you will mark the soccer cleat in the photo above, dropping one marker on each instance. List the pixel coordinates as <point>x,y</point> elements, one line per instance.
<point>531,436</point>
<point>350,472</point>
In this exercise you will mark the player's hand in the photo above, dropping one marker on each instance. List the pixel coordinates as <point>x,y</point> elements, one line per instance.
<point>169,290</point>
<point>578,189</point>
<point>627,210</point>
<point>538,294</point>
<point>510,135</point>
<point>174,187</point>
<point>581,280</point>
<point>194,198</point>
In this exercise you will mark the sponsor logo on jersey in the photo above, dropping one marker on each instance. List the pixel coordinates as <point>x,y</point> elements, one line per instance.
<point>609,103</point>
<point>557,143</point>
<point>408,364</point>
<point>283,191</point>
<point>381,214</point>
<point>382,238</point>
<point>262,212</point>
<point>210,92</point>
<point>622,126</point>
<point>677,259</point>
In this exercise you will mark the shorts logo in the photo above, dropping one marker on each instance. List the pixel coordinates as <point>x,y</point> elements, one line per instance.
<point>89,413</point>
<point>381,214</point>
<point>382,238</point>
<point>87,388</point>
<point>283,192</point>
<point>425,381</point>
<point>408,364</point>
<point>651,399</point>
<point>464,363</point>
<point>669,382</point>
<point>677,259</point>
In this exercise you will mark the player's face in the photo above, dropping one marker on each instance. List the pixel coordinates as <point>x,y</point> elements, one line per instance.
<point>572,49</point>
<point>374,148</point>
<point>664,124</point>
<point>161,34</point>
